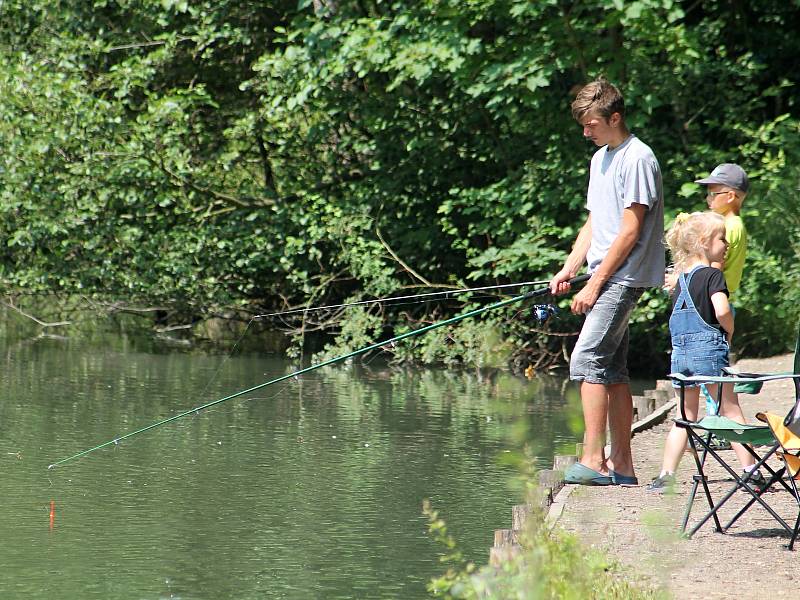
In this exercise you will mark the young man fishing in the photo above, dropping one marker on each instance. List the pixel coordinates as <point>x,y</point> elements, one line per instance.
<point>622,242</point>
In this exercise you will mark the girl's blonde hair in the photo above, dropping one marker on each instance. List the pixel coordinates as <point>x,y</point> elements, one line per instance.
<point>689,233</point>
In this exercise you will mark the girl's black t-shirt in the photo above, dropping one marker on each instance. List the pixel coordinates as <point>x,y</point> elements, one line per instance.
<point>705,282</point>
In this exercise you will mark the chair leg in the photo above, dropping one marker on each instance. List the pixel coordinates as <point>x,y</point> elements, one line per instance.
<point>794,533</point>
<point>699,462</point>
<point>797,498</point>
<point>762,462</point>
<point>695,484</point>
<point>739,484</point>
<point>774,477</point>
<point>689,503</point>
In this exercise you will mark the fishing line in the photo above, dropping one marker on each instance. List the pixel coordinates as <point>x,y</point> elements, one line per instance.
<point>308,320</point>
<point>224,360</point>
<point>388,299</point>
<point>296,374</point>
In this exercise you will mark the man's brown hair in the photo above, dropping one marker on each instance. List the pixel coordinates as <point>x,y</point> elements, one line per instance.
<point>601,97</point>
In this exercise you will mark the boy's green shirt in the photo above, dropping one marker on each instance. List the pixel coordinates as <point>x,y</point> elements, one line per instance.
<point>736,235</point>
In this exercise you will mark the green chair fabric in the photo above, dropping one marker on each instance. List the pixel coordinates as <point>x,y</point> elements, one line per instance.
<point>748,388</point>
<point>725,428</point>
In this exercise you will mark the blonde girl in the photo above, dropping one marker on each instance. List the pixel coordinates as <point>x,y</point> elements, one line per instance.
<point>701,328</point>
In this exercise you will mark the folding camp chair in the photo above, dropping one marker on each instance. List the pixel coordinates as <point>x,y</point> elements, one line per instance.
<point>748,435</point>
<point>786,431</point>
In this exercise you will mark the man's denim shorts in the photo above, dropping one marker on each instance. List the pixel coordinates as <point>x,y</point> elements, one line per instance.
<point>601,353</point>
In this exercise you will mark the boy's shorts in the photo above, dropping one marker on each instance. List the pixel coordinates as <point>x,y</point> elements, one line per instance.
<point>601,353</point>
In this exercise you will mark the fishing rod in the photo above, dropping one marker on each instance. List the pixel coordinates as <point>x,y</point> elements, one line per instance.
<point>343,357</point>
<point>445,293</point>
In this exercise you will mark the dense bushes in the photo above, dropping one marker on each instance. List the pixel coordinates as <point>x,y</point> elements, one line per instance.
<point>207,156</point>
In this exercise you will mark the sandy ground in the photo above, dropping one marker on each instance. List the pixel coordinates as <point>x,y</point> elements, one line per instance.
<point>641,529</point>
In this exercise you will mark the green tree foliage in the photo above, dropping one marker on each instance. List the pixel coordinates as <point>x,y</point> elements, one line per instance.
<point>204,156</point>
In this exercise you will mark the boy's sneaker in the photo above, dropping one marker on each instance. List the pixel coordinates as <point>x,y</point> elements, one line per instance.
<point>757,480</point>
<point>717,444</point>
<point>662,483</point>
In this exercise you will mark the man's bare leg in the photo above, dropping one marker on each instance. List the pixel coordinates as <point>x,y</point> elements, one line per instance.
<point>594,398</point>
<point>620,418</point>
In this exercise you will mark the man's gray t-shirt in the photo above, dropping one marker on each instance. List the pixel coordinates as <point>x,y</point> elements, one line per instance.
<point>620,177</point>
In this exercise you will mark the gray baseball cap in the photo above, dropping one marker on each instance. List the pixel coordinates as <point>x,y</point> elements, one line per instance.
<point>728,174</point>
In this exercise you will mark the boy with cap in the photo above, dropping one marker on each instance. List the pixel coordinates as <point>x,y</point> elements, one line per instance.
<point>727,187</point>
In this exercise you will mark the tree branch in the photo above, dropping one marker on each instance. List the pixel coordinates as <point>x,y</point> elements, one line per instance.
<point>269,180</point>
<point>146,44</point>
<point>400,261</point>
<point>32,318</point>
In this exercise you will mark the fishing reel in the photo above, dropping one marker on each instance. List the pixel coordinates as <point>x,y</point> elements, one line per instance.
<point>542,312</point>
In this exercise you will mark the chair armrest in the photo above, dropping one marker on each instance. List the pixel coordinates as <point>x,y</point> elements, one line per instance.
<point>734,373</point>
<point>739,378</point>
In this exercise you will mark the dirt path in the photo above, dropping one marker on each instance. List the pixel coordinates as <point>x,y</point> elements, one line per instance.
<point>640,528</point>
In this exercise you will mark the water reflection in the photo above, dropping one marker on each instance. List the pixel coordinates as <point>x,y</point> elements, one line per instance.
<point>311,488</point>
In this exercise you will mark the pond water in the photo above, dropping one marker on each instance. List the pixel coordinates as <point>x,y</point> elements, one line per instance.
<point>311,488</point>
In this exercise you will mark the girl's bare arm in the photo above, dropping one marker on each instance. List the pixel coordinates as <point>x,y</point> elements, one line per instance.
<point>722,309</point>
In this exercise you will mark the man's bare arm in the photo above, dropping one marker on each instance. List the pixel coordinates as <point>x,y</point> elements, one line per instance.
<point>629,231</point>
<point>560,282</point>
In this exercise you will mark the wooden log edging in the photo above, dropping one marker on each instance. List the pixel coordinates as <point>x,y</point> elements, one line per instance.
<point>551,495</point>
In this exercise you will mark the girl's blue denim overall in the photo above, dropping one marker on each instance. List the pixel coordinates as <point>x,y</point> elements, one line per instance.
<point>697,347</point>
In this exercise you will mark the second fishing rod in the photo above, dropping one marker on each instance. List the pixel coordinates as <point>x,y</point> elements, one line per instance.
<point>196,410</point>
